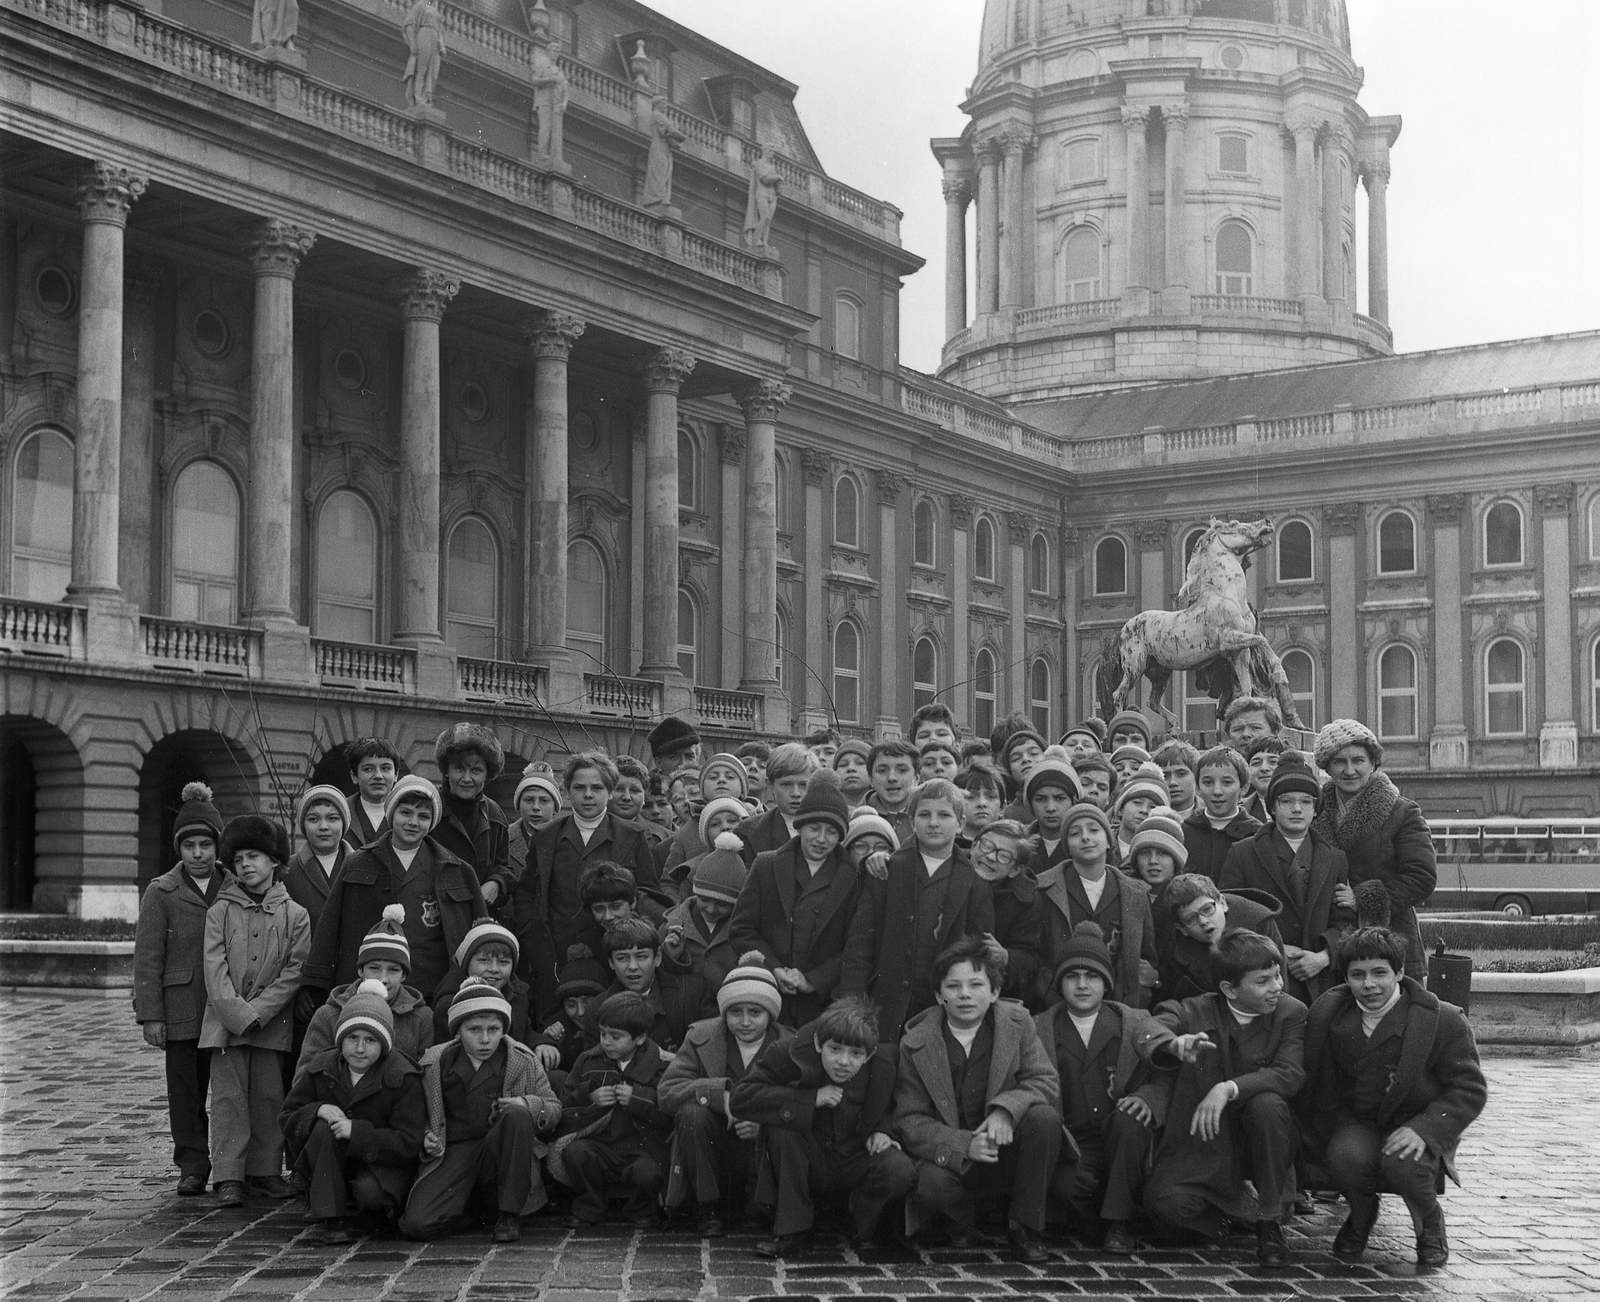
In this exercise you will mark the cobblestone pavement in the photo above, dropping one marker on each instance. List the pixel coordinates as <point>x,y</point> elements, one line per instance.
<point>87,1211</point>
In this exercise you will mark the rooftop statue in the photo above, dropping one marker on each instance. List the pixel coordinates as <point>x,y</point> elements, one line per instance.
<point>761,205</point>
<point>424,32</point>
<point>274,24</point>
<point>664,138</point>
<point>549,90</point>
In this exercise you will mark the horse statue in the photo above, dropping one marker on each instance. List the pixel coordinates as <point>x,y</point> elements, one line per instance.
<point>1212,631</point>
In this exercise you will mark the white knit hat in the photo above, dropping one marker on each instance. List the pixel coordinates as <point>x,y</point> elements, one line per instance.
<point>477,996</point>
<point>368,1008</point>
<point>1347,732</point>
<point>537,775</point>
<point>750,983</point>
<point>721,805</point>
<point>320,794</point>
<point>866,821</point>
<point>412,785</point>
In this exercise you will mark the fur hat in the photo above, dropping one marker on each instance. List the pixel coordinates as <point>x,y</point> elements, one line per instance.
<point>672,735</point>
<point>721,805</point>
<point>1292,774</point>
<point>867,821</point>
<point>581,974</point>
<point>1146,780</point>
<point>1372,905</point>
<point>321,794</point>
<point>387,940</point>
<point>253,832</point>
<point>1090,727</point>
<point>1347,732</point>
<point>473,737</point>
<point>412,785</point>
<point>198,814</point>
<point>481,933</point>
<point>723,760</point>
<point>1130,719</point>
<point>1084,810</point>
<point>1052,769</point>
<point>824,802</point>
<point>537,775</point>
<point>750,983</point>
<point>1162,829</point>
<point>477,996</point>
<point>720,872</point>
<point>368,1010</point>
<point>1085,949</point>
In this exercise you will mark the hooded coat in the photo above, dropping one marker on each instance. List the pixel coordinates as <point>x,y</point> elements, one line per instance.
<point>255,951</point>
<point>413,1023</point>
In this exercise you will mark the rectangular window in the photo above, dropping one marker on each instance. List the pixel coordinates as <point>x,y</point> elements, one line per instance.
<point>1081,160</point>
<point>1233,154</point>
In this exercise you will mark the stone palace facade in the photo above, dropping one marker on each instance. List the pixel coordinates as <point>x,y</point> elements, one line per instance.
<point>350,384</point>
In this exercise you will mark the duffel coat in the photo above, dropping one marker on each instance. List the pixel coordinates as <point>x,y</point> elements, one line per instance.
<point>255,951</point>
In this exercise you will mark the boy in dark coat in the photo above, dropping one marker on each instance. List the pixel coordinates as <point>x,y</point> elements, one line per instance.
<point>676,1000</point>
<point>825,1103</point>
<point>354,1119</point>
<point>696,935</point>
<point>486,953</point>
<point>1050,791</point>
<point>1392,1079</point>
<point>1231,1118</point>
<point>581,979</point>
<point>385,957</point>
<point>169,979</point>
<point>1112,1102</point>
<point>1002,856</point>
<point>789,771</point>
<point>931,898</point>
<point>797,905</point>
<point>321,816</point>
<point>1306,875</point>
<point>1218,823</point>
<point>374,769</point>
<point>1201,915</point>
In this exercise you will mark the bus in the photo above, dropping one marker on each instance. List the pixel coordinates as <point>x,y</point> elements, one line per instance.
<point>1517,866</point>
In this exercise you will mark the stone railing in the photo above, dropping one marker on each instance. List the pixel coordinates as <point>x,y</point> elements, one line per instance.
<point>203,648</point>
<point>1246,303</point>
<point>729,709</point>
<point>41,628</point>
<point>501,680</point>
<point>633,697</point>
<point>366,668</point>
<point>1055,313</point>
<point>971,419</point>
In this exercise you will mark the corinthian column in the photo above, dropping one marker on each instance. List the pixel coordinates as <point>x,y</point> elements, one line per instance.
<point>1304,125</point>
<point>1376,178</point>
<point>988,227</point>
<point>1176,118</point>
<point>761,403</point>
<point>1135,118</point>
<point>551,335</point>
<point>1013,254</point>
<point>957,195</point>
<point>1335,145</point>
<point>664,375</point>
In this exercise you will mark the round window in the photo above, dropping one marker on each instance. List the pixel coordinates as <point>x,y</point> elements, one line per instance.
<point>55,290</point>
<point>1082,63</point>
<point>1231,57</point>
<point>349,369</point>
<point>582,432</point>
<point>475,403</point>
<point>211,335</point>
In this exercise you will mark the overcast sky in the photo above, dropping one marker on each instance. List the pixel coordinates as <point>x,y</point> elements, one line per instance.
<point>1496,174</point>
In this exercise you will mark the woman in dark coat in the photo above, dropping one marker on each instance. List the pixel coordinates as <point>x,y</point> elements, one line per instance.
<point>1383,835</point>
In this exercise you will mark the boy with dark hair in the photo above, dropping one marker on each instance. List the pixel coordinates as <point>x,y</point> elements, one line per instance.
<point>1218,822</point>
<point>1097,779</point>
<point>789,770</point>
<point>983,791</point>
<point>614,1131</point>
<point>825,1103</point>
<point>1261,758</point>
<point>754,756</point>
<point>656,817</point>
<point>851,764</point>
<point>374,769</point>
<point>823,745</point>
<point>1392,1080</point>
<point>1050,790</point>
<point>676,1000</point>
<point>683,794</point>
<point>892,766</point>
<point>973,751</point>
<point>1249,718</point>
<point>1178,762</point>
<point>1230,1119</point>
<point>609,894</point>
<point>977,1102</point>
<point>1018,754</point>
<point>928,899</point>
<point>933,722</point>
<point>488,953</point>
<point>1201,915</point>
<point>938,759</point>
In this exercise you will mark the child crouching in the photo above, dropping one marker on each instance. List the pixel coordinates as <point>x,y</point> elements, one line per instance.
<point>385,957</point>
<point>353,1122</point>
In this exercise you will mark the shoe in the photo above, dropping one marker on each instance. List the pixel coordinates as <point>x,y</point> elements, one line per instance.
<point>963,1238</point>
<point>575,1222</point>
<point>783,1245</point>
<point>507,1228</point>
<point>1433,1247</point>
<point>269,1186</point>
<point>298,1182</point>
<point>1118,1240</point>
<point>191,1185</point>
<point>709,1224</point>
<point>1271,1250</point>
<point>1025,1244</point>
<point>230,1193</point>
<point>1304,1206</point>
<point>1351,1241</point>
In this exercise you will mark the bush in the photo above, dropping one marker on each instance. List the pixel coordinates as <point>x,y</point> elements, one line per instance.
<point>61,926</point>
<point>1568,933</point>
<point>1535,960</point>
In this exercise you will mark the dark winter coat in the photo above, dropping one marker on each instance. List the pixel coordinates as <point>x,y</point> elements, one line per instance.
<point>485,847</point>
<point>1186,971</point>
<point>780,1090</point>
<point>307,884</point>
<point>1208,848</point>
<point>698,1072</point>
<point>1018,920</point>
<point>679,1000</point>
<point>1257,864</point>
<point>517,995</point>
<point>1131,933</point>
<point>169,948</point>
<point>762,834</point>
<point>1140,1038</point>
<point>709,954</point>
<point>581,1119</point>
<point>413,1024</point>
<point>387,1111</point>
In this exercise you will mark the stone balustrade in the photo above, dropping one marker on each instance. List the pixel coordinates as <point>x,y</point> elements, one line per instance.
<point>501,680</point>
<point>608,694</point>
<point>735,710</point>
<point>361,667</point>
<point>201,648</point>
<point>41,629</point>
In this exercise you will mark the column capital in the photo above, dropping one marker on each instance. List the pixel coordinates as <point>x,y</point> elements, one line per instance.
<point>1339,136</point>
<point>1071,536</point>
<point>815,463</point>
<point>666,369</point>
<point>106,192</point>
<point>424,294</point>
<point>1341,519</point>
<point>1152,534</point>
<point>1175,113</point>
<point>1302,122</point>
<point>1015,139</point>
<point>1447,508</point>
<point>1135,115</point>
<point>890,486</point>
<point>957,189</point>
<point>1020,527</point>
<point>552,334</point>
<point>732,445</point>
<point>276,247</point>
<point>961,510</point>
<point>987,150</point>
<point>762,399</point>
<point>1553,499</point>
<point>1373,171</point>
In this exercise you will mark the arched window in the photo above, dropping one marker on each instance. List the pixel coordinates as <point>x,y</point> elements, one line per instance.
<point>347,570</point>
<point>1594,682</point>
<point>688,471</point>
<point>983,549</point>
<point>1110,567</point>
<point>847,327</point>
<point>205,545</point>
<point>1505,689</point>
<point>1199,710</point>
<point>41,518</point>
<point>1039,698</point>
<point>586,605</point>
<point>924,550</point>
<point>472,590</point>
<point>1301,671</point>
<point>1235,259</point>
<point>1502,534</point>
<point>1397,544</point>
<point>924,673</point>
<point>983,693</point>
<point>847,673</point>
<point>688,635</point>
<point>1294,552</point>
<point>846,512</point>
<point>1039,564</point>
<point>1594,528</point>
<point>1190,542</point>
<point>1397,693</point>
<point>1080,266</point>
<point>780,486</point>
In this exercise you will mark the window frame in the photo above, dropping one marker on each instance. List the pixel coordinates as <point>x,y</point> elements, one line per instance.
<point>1594,684</point>
<point>1305,702</point>
<point>587,641</point>
<point>492,625</point>
<point>174,575</point>
<point>1397,513</point>
<point>689,649</point>
<point>985,702</point>
<point>689,498</point>
<point>854,541</point>
<point>782,485</point>
<point>377,566</point>
<point>924,508</point>
<point>1041,713</point>
<point>14,551</point>
<point>845,299</point>
<point>981,528</point>
<point>1413,693</point>
<point>1039,574</point>
<point>1311,552</point>
<point>924,691</point>
<point>1095,555</point>
<point>1068,291</point>
<point>1491,689</point>
<point>1594,527</point>
<point>1097,165</point>
<point>1247,277</point>
<point>1244,139</point>
<point>1522,535</point>
<point>1192,697</point>
<point>851,675</point>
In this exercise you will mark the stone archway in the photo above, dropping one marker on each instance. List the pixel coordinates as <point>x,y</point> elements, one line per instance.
<point>189,755</point>
<point>41,813</point>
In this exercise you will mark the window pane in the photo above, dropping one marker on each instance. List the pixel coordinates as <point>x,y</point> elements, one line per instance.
<point>983,675</point>
<point>846,673</point>
<point>41,531</point>
<point>1081,157</point>
<point>347,570</point>
<point>985,550</point>
<point>1294,551</point>
<point>1397,551</point>
<point>1189,545</point>
<point>1594,529</point>
<point>924,662</point>
<point>1397,669</point>
<point>1233,154</point>
<point>1199,710</point>
<point>205,544</point>
<point>1505,711</point>
<point>586,590</point>
<point>846,327</point>
<point>844,513</point>
<point>1233,248</point>
<point>1110,567</point>
<point>1297,669</point>
<point>1398,716</point>
<point>473,565</point>
<point>922,528</point>
<point>847,648</point>
<point>1505,664</point>
<point>1503,535</point>
<point>688,472</point>
<point>1040,564</point>
<point>1082,254</point>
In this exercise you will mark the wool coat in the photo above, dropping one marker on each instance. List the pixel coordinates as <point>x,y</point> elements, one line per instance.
<point>582,1119</point>
<point>1186,971</point>
<point>880,955</point>
<point>1385,838</point>
<point>307,884</point>
<point>365,885</point>
<point>1132,930</point>
<point>1139,1035</point>
<point>413,1023</point>
<point>255,952</point>
<point>709,954</point>
<point>780,1089</point>
<point>679,1000</point>
<point>1437,1088</point>
<point>169,945</point>
<point>387,1110</point>
<point>1018,919</point>
<point>484,846</point>
<point>524,1079</point>
<point>1315,923</point>
<point>362,832</point>
<point>763,920</point>
<point>1208,848</point>
<point>762,833</point>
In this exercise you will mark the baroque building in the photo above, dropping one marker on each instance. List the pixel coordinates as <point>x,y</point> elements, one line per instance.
<point>348,391</point>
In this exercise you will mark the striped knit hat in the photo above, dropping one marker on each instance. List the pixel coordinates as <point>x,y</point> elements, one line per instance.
<point>367,1010</point>
<point>1052,769</point>
<point>1125,719</point>
<point>537,776</point>
<point>321,794</point>
<point>197,815</point>
<point>387,940</point>
<point>729,764</point>
<point>1146,780</point>
<point>1087,811</point>
<point>1129,750</point>
<point>750,983</point>
<point>413,786</point>
<point>1162,829</point>
<point>721,805</point>
<point>477,996</point>
<point>720,873</point>
<point>485,933</point>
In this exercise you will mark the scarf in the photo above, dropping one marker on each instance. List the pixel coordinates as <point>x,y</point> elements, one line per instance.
<point>1348,823</point>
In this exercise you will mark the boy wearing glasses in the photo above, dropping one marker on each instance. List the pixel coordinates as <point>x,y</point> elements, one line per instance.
<point>1001,855</point>
<point>1201,914</point>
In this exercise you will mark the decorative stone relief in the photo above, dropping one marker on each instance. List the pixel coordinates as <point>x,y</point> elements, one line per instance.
<point>815,464</point>
<point>961,510</point>
<point>1447,508</point>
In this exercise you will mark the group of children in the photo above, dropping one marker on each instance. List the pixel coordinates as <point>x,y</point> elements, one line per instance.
<point>1081,980</point>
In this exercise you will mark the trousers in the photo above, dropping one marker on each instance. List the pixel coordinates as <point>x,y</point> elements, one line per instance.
<point>597,1167</point>
<point>1024,1171</point>
<point>246,1097</point>
<point>188,1079</point>
<point>804,1168</point>
<point>1360,1169</point>
<point>335,1180</point>
<point>1270,1138</point>
<point>709,1161</point>
<point>498,1168</point>
<point>1107,1180</point>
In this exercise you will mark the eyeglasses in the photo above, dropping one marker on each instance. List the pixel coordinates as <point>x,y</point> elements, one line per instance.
<point>1203,912</point>
<point>989,850</point>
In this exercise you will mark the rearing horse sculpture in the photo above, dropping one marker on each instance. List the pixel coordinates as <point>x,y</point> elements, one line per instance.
<point>1213,622</point>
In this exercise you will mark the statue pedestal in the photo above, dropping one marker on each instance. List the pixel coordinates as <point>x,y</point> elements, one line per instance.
<point>282,54</point>
<point>431,135</point>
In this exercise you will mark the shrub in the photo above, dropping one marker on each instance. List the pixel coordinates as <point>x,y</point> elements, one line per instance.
<point>1569,932</point>
<point>1534,960</point>
<point>50,926</point>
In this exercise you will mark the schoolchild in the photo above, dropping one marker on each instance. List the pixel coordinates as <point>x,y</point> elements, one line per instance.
<point>1097,779</point>
<point>932,722</point>
<point>983,792</point>
<point>1177,760</point>
<point>722,777</point>
<point>581,978</point>
<point>1261,758</point>
<point>789,770</point>
<point>850,764</point>
<point>675,999</point>
<point>1127,759</point>
<point>1052,788</point>
<point>754,756</point>
<point>1084,739</point>
<point>1141,792</point>
<point>892,765</point>
<point>322,817</point>
<point>1128,728</point>
<point>1159,855</point>
<point>1003,856</point>
<point>487,953</point>
<point>628,799</point>
<point>1219,823</point>
<point>374,769</point>
<point>536,800</point>
<point>937,759</point>
<point>696,934</point>
<point>385,957</point>
<point>723,814</point>
<point>1202,913</point>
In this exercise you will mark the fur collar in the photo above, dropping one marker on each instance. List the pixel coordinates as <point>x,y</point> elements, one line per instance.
<point>1355,820</point>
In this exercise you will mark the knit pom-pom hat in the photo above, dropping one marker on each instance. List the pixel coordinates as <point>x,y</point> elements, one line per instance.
<point>1052,769</point>
<point>537,777</point>
<point>1086,949</point>
<point>485,933</point>
<point>1292,774</point>
<point>367,1010</point>
<point>198,814</point>
<point>1161,830</point>
<point>477,996</point>
<point>721,805</point>
<point>1146,780</point>
<point>729,763</point>
<point>720,873</point>
<point>412,786</point>
<point>387,940</point>
<point>1085,810</point>
<point>321,794</point>
<point>1124,719</point>
<point>581,974</point>
<point>750,983</point>
<point>824,802</point>
<point>867,821</point>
